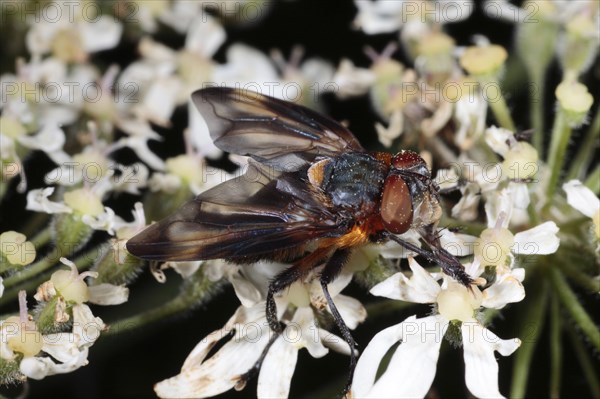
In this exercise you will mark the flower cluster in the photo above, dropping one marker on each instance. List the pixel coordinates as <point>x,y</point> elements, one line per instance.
<point>99,138</point>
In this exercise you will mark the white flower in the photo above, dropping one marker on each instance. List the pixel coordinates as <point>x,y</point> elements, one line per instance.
<point>412,367</point>
<point>497,245</point>
<point>49,140</point>
<point>68,351</point>
<point>352,81</point>
<point>393,131</point>
<point>585,201</point>
<point>470,113</point>
<point>382,16</point>
<point>37,200</point>
<point>247,68</point>
<point>202,377</point>
<point>74,34</point>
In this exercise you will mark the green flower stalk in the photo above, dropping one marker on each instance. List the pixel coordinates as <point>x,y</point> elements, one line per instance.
<point>485,63</point>
<point>574,102</point>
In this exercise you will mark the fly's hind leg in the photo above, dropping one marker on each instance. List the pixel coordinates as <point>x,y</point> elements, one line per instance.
<point>331,270</point>
<point>282,281</point>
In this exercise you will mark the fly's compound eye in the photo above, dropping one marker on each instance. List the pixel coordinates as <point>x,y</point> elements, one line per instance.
<point>396,205</point>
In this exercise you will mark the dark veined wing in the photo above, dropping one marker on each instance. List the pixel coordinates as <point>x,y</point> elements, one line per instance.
<point>274,132</point>
<point>252,215</point>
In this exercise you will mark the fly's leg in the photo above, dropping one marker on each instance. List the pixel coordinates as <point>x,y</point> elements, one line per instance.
<point>282,281</point>
<point>448,262</point>
<point>330,271</point>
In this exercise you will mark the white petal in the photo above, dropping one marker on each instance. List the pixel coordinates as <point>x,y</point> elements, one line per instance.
<point>205,36</point>
<point>376,17</point>
<point>160,101</point>
<point>581,198</point>
<point>246,292</point>
<point>506,289</point>
<point>108,294</point>
<point>50,138</point>
<point>456,243</point>
<point>217,374</point>
<point>63,347</point>
<point>467,208</point>
<point>540,240</point>
<point>497,203</point>
<point>277,370</point>
<point>40,367</point>
<point>302,332</point>
<point>412,368</point>
<point>334,342</point>
<point>352,81</point>
<point>368,363</point>
<point>86,325</point>
<point>520,194</point>
<point>103,222</point>
<point>481,368</point>
<point>420,288</point>
<point>140,146</point>
<point>498,138</point>
<point>392,250</point>
<point>199,136</point>
<point>248,68</point>
<point>37,200</point>
<point>184,269</point>
<point>100,34</point>
<point>351,310</point>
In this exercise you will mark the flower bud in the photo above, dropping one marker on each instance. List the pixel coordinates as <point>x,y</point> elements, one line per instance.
<point>11,127</point>
<point>493,247</point>
<point>436,52</point>
<point>536,41</point>
<point>16,249</point>
<point>22,337</point>
<point>484,61</point>
<point>520,161</point>
<point>579,44</point>
<point>575,101</point>
<point>457,303</point>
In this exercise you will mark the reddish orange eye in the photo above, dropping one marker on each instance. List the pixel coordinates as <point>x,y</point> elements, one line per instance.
<point>406,160</point>
<point>396,205</point>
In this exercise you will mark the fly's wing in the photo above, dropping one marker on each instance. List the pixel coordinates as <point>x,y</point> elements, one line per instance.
<point>251,215</point>
<point>274,132</point>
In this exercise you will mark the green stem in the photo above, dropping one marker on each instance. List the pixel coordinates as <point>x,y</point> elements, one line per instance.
<point>35,223</point>
<point>42,238</point>
<point>587,365</point>
<point>587,149</point>
<point>561,133</point>
<point>3,187</point>
<point>473,228</point>
<point>195,290</point>
<point>577,312</point>
<point>593,181</point>
<point>31,271</point>
<point>501,111</point>
<point>555,347</point>
<point>537,110</point>
<point>83,262</point>
<point>170,308</point>
<point>578,277</point>
<point>534,317</point>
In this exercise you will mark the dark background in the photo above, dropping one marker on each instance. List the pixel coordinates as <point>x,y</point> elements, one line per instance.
<point>128,365</point>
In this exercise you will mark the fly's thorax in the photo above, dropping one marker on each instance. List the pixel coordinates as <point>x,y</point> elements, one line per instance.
<point>352,181</point>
